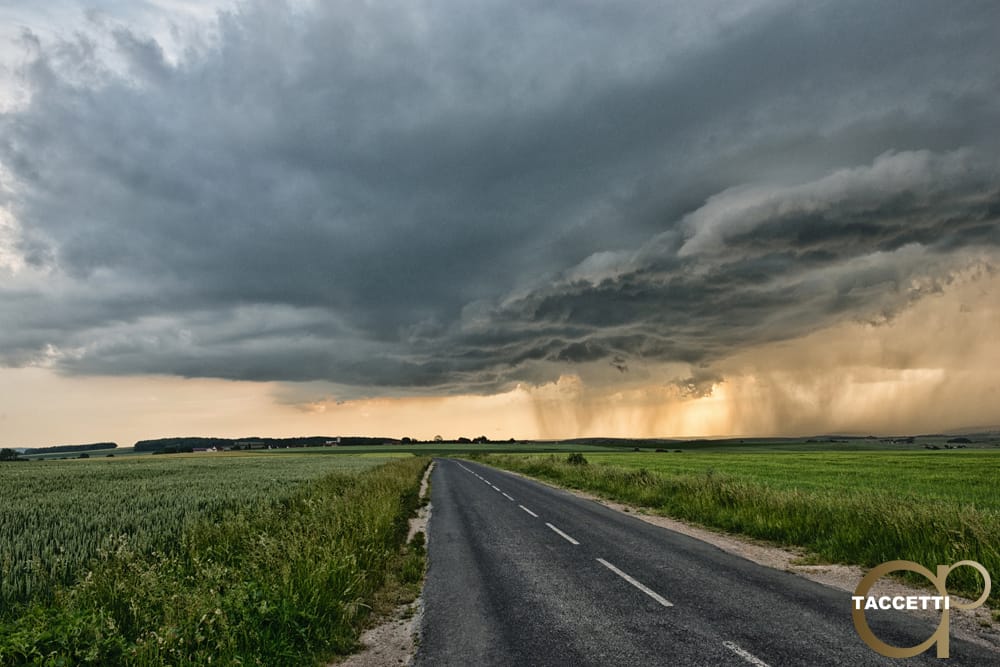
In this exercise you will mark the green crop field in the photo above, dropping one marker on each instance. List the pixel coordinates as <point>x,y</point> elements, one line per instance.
<point>866,508</point>
<point>966,476</point>
<point>56,515</point>
<point>269,558</point>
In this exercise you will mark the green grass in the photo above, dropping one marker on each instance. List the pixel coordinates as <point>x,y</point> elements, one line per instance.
<point>278,562</point>
<point>56,515</point>
<point>964,476</point>
<point>861,508</point>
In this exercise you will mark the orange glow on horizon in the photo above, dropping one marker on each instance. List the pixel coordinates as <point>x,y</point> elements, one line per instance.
<point>934,367</point>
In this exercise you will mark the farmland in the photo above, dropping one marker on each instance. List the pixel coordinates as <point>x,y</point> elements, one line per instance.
<point>969,477</point>
<point>57,515</point>
<point>149,560</point>
<point>852,507</point>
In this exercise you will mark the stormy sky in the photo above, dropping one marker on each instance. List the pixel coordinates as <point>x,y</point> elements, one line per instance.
<point>629,209</point>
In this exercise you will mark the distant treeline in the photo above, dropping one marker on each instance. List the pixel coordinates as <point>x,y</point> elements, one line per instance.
<point>70,448</point>
<point>188,444</point>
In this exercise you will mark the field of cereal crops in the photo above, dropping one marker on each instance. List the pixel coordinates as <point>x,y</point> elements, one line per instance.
<point>149,560</point>
<point>58,514</point>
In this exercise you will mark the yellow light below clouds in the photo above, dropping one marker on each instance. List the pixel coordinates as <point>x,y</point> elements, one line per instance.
<point>934,367</point>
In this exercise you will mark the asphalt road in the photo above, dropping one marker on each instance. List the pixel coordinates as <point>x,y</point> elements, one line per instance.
<point>523,574</point>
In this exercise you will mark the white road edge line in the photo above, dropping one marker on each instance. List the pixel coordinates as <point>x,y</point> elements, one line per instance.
<point>528,511</point>
<point>746,655</point>
<point>648,591</point>
<point>508,496</point>
<point>562,534</point>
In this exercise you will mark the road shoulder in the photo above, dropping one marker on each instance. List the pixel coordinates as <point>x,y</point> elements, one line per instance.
<point>394,641</point>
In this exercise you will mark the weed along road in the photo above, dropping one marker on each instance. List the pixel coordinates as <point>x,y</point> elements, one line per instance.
<point>523,574</point>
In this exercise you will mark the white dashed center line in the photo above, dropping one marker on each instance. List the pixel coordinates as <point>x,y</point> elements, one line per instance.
<point>746,655</point>
<point>508,496</point>
<point>528,511</point>
<point>648,591</point>
<point>562,534</point>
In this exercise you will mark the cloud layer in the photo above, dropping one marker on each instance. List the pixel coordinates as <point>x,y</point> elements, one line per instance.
<point>442,197</point>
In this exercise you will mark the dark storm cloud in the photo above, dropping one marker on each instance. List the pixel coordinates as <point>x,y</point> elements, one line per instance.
<point>461,197</point>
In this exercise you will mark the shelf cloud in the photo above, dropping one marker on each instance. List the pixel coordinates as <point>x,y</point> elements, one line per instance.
<point>432,198</point>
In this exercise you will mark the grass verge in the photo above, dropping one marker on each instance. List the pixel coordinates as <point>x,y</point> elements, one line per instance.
<point>862,526</point>
<point>290,584</point>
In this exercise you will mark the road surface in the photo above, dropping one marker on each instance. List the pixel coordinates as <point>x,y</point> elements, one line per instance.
<point>523,574</point>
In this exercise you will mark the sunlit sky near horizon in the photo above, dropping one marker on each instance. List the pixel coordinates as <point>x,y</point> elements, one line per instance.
<point>515,219</point>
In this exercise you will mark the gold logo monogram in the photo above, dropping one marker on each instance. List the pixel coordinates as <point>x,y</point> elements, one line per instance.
<point>941,601</point>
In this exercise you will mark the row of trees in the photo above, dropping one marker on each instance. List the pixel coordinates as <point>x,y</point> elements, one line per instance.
<point>481,440</point>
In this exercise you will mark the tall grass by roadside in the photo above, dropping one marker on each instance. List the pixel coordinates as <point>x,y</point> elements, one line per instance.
<point>863,526</point>
<point>287,584</point>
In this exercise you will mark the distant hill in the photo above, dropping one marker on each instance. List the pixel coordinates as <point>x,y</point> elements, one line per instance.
<point>706,441</point>
<point>976,430</point>
<point>618,442</point>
